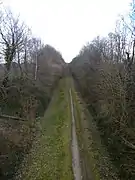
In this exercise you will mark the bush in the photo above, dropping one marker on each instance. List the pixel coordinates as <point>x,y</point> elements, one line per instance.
<point>23,96</point>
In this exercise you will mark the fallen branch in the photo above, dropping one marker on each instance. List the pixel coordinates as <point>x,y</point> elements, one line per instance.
<point>12,118</point>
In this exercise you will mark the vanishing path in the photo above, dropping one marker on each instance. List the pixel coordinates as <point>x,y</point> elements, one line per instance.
<point>75,150</point>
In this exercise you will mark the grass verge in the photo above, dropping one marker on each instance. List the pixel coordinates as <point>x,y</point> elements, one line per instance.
<point>50,157</point>
<point>95,160</point>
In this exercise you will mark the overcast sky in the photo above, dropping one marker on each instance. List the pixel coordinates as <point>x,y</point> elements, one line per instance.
<point>69,24</point>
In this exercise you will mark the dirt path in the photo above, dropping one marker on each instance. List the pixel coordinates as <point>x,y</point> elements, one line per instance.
<point>75,150</point>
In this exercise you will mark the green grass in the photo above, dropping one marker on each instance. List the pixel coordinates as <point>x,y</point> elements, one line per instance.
<point>95,161</point>
<point>50,157</point>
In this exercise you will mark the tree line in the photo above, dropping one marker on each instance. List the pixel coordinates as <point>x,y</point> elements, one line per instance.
<point>104,72</point>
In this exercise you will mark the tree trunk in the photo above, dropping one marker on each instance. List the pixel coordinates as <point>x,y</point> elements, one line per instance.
<point>25,62</point>
<point>36,68</point>
<point>19,64</point>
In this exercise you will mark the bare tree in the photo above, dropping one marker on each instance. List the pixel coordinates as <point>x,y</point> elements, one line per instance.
<point>37,46</point>
<point>12,34</point>
<point>34,46</point>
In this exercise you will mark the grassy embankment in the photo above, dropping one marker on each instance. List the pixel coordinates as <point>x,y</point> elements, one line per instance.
<point>95,161</point>
<point>50,157</point>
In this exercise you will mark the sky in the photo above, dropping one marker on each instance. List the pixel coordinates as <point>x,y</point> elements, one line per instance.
<point>67,25</point>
